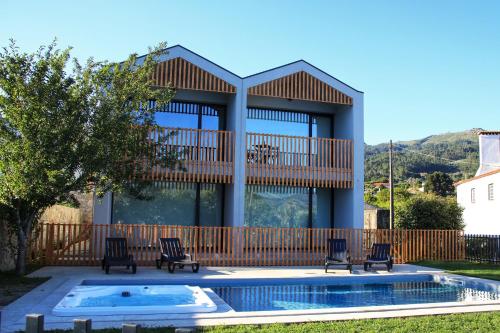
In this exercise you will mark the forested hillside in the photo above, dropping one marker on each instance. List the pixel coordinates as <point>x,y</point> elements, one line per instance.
<point>454,153</point>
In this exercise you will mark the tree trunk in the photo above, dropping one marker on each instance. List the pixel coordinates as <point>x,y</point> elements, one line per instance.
<point>24,222</point>
<point>22,244</point>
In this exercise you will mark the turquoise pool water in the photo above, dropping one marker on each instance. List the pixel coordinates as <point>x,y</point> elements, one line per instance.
<point>300,296</point>
<point>117,300</point>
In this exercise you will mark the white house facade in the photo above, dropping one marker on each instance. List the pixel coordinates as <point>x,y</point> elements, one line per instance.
<point>480,195</point>
<point>280,148</point>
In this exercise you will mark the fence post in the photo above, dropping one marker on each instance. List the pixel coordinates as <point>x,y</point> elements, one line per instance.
<point>82,326</point>
<point>34,323</point>
<point>49,254</point>
<point>131,328</point>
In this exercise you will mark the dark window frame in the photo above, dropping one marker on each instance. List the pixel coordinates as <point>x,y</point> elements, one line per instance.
<point>219,107</point>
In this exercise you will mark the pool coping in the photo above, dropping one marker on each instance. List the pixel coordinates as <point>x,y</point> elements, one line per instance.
<point>49,294</point>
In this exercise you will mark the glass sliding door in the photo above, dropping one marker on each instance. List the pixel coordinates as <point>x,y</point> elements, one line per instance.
<point>276,206</point>
<point>162,203</point>
<point>168,203</point>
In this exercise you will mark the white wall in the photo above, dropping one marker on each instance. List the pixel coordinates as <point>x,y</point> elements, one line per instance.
<point>482,217</point>
<point>489,153</point>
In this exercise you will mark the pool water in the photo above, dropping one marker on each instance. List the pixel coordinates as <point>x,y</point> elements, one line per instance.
<point>140,299</point>
<point>301,296</point>
<point>85,300</point>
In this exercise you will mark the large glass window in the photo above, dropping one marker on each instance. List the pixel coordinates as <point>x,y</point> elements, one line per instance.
<point>287,207</point>
<point>269,121</point>
<point>321,207</point>
<point>167,203</point>
<point>211,201</point>
<point>190,115</point>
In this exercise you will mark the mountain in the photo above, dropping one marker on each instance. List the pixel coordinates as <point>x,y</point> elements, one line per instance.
<point>454,153</point>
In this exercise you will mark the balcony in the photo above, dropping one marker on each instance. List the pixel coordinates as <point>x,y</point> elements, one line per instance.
<point>298,161</point>
<point>203,155</point>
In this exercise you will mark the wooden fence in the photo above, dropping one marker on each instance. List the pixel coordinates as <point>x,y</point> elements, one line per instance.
<point>83,244</point>
<point>482,248</point>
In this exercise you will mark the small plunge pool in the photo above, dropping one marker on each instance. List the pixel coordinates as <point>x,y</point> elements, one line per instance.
<point>88,300</point>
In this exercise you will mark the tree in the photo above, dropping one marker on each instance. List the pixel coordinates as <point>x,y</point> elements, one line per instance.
<point>429,211</point>
<point>63,132</point>
<point>439,183</point>
<point>380,197</point>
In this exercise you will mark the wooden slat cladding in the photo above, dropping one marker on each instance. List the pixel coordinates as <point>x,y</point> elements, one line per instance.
<point>301,86</point>
<point>204,155</point>
<point>83,244</point>
<point>182,74</point>
<point>299,161</point>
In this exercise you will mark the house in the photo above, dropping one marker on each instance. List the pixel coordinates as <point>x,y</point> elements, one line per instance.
<point>380,185</point>
<point>376,217</point>
<point>480,195</point>
<point>280,148</point>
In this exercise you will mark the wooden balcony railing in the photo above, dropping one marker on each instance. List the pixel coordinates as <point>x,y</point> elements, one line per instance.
<point>202,155</point>
<point>299,161</point>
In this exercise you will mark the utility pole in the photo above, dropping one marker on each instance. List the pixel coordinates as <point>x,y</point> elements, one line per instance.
<point>391,188</point>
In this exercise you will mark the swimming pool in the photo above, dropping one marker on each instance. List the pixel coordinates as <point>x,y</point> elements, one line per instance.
<point>244,295</point>
<point>304,297</point>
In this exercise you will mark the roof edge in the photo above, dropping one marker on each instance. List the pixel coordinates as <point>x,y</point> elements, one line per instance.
<point>308,64</point>
<point>489,173</point>
<point>196,54</point>
<point>258,73</point>
<point>488,133</point>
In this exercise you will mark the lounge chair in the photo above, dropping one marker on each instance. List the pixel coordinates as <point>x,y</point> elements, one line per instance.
<point>380,255</point>
<point>173,254</point>
<point>117,255</point>
<point>338,254</point>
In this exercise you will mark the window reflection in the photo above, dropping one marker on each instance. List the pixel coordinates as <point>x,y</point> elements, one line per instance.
<point>287,207</point>
<point>190,115</point>
<point>169,203</point>
<point>278,122</point>
<point>276,206</point>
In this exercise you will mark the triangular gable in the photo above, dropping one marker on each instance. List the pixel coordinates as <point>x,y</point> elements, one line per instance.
<point>301,86</point>
<point>182,74</point>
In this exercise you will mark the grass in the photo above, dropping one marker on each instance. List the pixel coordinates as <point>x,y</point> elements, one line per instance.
<point>12,286</point>
<point>481,270</point>
<point>471,322</point>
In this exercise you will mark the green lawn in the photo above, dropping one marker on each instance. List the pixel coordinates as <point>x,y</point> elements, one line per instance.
<point>472,322</point>
<point>485,271</point>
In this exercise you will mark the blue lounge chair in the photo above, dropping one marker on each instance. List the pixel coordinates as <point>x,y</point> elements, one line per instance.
<point>338,254</point>
<point>380,255</point>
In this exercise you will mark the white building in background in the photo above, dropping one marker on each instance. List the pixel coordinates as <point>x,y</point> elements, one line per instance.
<point>480,195</point>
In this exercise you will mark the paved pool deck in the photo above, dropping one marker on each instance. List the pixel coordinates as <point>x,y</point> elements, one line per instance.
<point>43,298</point>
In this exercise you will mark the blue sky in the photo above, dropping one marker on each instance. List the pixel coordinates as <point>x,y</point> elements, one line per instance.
<point>426,67</point>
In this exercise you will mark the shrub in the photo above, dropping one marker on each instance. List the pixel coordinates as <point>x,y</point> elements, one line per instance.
<point>429,211</point>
